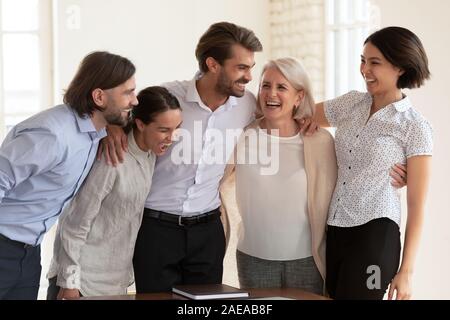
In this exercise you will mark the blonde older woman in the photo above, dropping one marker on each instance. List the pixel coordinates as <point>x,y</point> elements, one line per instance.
<point>284,210</point>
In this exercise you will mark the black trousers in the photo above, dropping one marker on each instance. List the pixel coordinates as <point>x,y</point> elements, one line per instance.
<point>53,289</point>
<point>20,270</point>
<point>362,260</point>
<point>167,254</point>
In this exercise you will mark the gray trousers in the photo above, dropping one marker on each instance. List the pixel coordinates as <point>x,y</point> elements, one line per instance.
<point>259,273</point>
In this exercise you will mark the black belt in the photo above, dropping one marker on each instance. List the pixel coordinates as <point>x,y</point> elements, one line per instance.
<point>15,242</point>
<point>180,220</point>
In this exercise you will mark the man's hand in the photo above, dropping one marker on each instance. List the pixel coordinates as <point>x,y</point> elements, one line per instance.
<point>113,146</point>
<point>68,294</point>
<point>307,126</point>
<point>398,175</point>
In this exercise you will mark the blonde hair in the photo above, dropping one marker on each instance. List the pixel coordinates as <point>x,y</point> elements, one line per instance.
<point>293,70</point>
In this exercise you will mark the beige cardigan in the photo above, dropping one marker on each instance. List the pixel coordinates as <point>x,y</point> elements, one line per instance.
<point>321,175</point>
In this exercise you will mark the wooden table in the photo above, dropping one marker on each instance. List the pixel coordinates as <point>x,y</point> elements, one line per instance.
<point>292,293</point>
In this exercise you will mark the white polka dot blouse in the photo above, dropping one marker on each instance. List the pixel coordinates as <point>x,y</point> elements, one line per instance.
<point>366,150</point>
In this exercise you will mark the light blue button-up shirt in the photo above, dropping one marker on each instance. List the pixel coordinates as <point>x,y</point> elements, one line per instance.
<point>43,162</point>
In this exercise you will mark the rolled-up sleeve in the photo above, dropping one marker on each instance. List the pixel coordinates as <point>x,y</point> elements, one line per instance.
<point>340,108</point>
<point>419,139</point>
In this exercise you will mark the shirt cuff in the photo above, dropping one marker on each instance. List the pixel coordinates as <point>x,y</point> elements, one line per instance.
<point>69,277</point>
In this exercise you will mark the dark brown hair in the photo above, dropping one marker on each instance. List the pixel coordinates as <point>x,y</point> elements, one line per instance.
<point>153,101</point>
<point>403,49</point>
<point>218,40</point>
<point>98,70</point>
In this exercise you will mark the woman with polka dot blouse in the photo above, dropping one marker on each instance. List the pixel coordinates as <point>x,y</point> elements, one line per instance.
<point>375,130</point>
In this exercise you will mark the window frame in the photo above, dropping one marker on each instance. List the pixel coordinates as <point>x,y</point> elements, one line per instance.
<point>344,52</point>
<point>46,85</point>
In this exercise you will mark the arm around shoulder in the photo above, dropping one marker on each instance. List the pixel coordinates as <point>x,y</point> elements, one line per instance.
<point>319,115</point>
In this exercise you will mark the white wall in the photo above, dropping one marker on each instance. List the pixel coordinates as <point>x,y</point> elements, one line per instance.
<point>429,20</point>
<point>159,36</point>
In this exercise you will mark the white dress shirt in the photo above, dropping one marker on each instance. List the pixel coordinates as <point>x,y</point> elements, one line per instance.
<point>366,150</point>
<point>186,179</point>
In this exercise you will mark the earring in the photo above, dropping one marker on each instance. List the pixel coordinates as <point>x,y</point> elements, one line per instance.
<point>294,111</point>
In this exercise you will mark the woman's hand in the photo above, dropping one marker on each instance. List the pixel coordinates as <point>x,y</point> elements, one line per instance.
<point>68,294</point>
<point>401,284</point>
<point>113,145</point>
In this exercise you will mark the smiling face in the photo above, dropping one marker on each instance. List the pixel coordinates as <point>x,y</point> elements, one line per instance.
<point>159,134</point>
<point>235,72</point>
<point>119,101</point>
<point>277,97</point>
<point>380,75</point>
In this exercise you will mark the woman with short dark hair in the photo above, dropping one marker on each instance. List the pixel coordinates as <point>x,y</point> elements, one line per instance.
<point>375,130</point>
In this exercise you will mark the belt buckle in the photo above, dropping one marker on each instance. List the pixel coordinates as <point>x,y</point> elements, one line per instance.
<point>179,221</point>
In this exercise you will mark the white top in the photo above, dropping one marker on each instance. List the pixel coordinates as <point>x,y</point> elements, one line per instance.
<point>94,243</point>
<point>366,151</point>
<point>275,224</point>
<point>186,178</point>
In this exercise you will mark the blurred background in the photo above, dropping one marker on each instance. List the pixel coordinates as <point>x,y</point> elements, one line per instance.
<point>43,41</point>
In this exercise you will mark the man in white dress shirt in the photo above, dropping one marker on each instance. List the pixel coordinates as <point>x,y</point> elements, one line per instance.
<point>181,240</point>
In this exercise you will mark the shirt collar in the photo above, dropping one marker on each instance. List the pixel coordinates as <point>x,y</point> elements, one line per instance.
<point>85,125</point>
<point>231,103</point>
<point>136,152</point>
<point>402,105</point>
<point>192,95</point>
